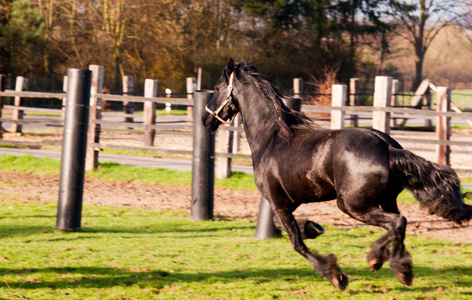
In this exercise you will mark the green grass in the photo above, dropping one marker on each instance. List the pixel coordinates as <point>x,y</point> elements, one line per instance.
<point>181,111</point>
<point>125,253</point>
<point>44,114</point>
<point>458,97</point>
<point>29,164</point>
<point>462,97</point>
<point>137,153</point>
<point>174,111</point>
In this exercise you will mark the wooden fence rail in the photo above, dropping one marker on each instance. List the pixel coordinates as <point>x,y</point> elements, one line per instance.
<point>405,111</point>
<point>339,110</point>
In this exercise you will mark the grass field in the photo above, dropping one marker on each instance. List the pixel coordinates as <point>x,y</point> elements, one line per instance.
<point>461,97</point>
<point>458,97</point>
<point>127,253</point>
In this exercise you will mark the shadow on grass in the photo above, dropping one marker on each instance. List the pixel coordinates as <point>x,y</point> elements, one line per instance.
<point>31,230</point>
<point>102,277</point>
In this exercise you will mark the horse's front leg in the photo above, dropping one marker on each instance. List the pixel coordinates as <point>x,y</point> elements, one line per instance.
<point>324,265</point>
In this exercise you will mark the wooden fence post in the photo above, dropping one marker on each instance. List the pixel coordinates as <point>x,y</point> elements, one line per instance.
<point>3,80</point>
<point>298,87</point>
<point>199,79</point>
<point>394,99</point>
<point>354,99</point>
<point>224,144</point>
<point>98,73</point>
<point>150,91</point>
<point>191,88</point>
<point>128,88</point>
<point>236,134</point>
<point>224,140</point>
<point>338,99</point>
<point>427,106</point>
<point>382,98</point>
<point>443,125</point>
<point>21,85</point>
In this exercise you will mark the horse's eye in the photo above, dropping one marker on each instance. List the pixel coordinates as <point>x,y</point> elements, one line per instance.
<point>217,88</point>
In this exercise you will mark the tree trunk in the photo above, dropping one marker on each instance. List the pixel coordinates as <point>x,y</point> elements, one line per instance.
<point>418,71</point>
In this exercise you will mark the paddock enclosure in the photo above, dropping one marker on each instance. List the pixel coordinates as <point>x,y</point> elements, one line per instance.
<point>134,126</point>
<point>342,112</point>
<point>225,261</point>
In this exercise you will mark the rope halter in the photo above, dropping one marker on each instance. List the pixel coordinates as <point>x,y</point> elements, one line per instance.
<point>228,99</point>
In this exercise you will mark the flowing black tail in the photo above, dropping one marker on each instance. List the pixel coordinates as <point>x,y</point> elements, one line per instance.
<point>435,186</point>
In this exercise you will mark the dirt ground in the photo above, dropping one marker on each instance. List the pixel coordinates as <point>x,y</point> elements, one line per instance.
<point>227,203</point>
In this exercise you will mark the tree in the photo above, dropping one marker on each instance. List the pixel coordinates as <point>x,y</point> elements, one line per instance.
<point>113,22</point>
<point>5,8</point>
<point>420,22</point>
<point>22,39</point>
<point>316,34</point>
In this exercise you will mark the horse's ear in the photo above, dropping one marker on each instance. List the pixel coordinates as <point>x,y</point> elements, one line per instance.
<point>230,65</point>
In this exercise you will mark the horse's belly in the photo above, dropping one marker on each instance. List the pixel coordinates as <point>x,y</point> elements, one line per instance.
<point>318,196</point>
<point>312,192</point>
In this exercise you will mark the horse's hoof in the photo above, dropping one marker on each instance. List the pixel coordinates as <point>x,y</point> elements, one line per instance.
<point>313,230</point>
<point>340,282</point>
<point>405,278</point>
<point>375,264</point>
<point>402,268</point>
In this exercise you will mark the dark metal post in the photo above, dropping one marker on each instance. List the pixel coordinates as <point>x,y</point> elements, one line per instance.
<point>294,103</point>
<point>203,162</point>
<point>74,145</point>
<point>265,228</point>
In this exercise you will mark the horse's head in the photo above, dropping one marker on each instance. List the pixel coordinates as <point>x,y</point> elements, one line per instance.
<point>223,105</point>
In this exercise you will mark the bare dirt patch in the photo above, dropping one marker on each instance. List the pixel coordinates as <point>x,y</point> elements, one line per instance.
<point>21,187</point>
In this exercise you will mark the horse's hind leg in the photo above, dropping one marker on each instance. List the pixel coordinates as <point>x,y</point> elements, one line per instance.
<point>324,265</point>
<point>379,252</point>
<point>399,258</point>
<point>308,229</point>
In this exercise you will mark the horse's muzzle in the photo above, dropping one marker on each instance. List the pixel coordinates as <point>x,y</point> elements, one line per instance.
<point>210,122</point>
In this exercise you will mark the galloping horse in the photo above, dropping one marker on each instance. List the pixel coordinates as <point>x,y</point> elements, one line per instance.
<point>296,162</point>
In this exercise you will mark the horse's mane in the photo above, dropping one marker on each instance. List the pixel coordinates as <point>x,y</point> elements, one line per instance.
<point>287,120</point>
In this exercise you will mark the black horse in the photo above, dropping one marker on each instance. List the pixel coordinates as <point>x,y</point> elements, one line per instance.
<point>296,162</point>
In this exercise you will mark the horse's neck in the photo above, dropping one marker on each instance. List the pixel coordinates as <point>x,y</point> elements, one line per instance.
<point>259,126</point>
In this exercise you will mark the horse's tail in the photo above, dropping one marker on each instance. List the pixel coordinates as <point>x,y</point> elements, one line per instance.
<point>435,186</point>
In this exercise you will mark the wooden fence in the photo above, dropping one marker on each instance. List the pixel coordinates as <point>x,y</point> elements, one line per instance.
<point>228,137</point>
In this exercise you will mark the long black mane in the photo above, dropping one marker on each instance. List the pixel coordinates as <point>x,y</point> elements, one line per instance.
<point>286,119</point>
